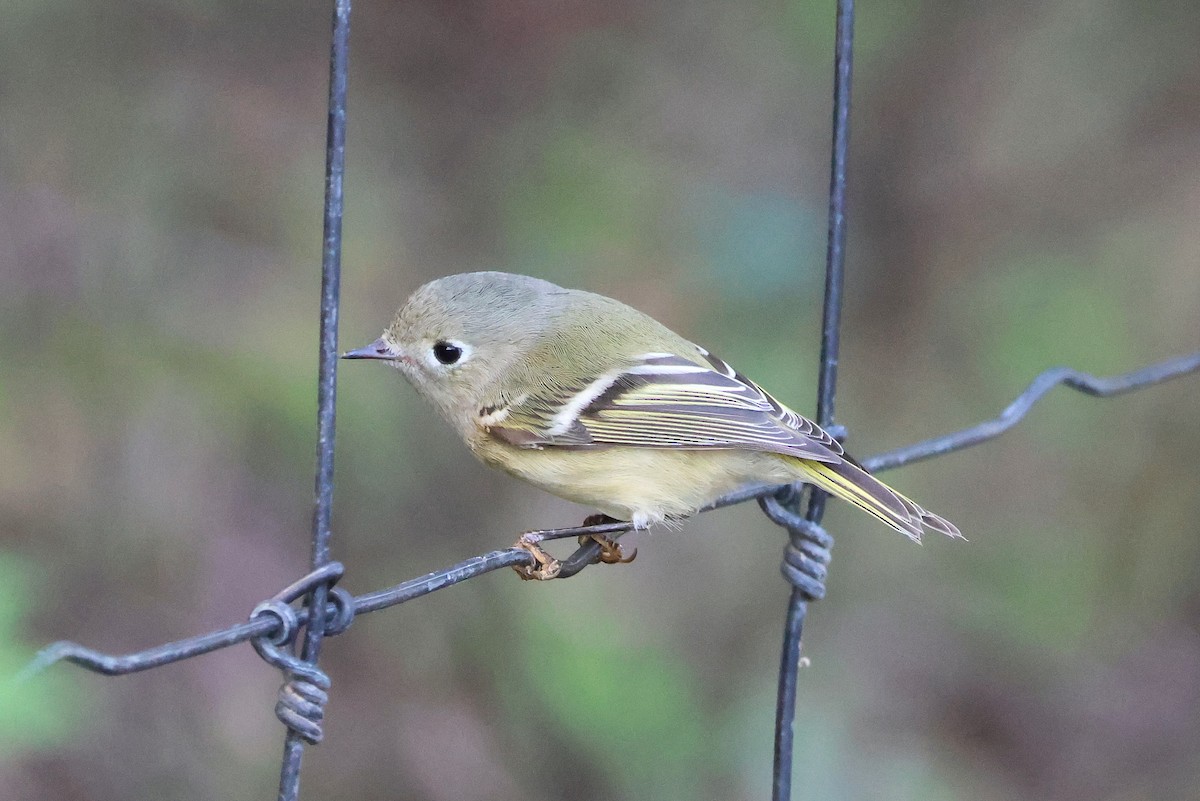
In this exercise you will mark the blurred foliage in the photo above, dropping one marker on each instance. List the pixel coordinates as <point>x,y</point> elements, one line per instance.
<point>36,713</point>
<point>1024,191</point>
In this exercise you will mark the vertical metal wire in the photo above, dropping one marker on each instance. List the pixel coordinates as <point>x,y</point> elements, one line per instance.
<point>331,268</point>
<point>789,663</point>
<point>835,254</point>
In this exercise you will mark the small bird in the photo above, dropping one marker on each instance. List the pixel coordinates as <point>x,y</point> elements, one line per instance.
<point>595,402</point>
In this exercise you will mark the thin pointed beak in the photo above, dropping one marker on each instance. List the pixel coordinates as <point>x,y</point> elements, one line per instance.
<point>379,349</point>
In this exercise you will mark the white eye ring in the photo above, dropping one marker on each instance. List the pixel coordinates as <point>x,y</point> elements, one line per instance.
<point>445,354</point>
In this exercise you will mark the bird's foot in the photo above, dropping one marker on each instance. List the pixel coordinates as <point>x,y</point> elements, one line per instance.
<point>611,552</point>
<point>545,566</point>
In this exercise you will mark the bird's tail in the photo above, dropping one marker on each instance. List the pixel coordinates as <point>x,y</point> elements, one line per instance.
<point>852,483</point>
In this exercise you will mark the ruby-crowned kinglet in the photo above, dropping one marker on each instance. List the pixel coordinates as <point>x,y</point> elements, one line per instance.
<point>600,404</point>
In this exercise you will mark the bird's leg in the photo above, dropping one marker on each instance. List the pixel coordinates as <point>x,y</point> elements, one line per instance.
<point>595,528</point>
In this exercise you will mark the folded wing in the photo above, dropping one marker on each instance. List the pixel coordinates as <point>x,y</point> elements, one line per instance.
<point>663,400</point>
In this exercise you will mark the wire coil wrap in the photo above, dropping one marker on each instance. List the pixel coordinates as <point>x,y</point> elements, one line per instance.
<point>305,691</point>
<point>806,556</point>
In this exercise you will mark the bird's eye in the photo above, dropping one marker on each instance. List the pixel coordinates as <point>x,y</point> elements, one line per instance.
<point>446,353</point>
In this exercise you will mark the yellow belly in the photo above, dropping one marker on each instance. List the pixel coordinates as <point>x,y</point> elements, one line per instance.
<point>645,485</point>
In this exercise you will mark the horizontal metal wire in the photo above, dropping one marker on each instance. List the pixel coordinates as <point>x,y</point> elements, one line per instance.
<point>1048,380</point>
<point>119,664</point>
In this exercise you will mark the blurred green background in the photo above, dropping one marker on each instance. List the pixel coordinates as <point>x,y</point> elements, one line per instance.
<point>1025,190</point>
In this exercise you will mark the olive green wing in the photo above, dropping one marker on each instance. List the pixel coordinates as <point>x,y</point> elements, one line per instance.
<point>662,400</point>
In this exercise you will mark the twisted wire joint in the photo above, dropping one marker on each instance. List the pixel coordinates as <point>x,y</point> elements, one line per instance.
<point>305,691</point>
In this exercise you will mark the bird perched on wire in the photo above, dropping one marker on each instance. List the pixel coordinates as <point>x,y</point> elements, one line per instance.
<point>600,404</point>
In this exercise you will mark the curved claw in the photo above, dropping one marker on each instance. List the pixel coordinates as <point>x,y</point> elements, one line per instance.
<point>611,552</point>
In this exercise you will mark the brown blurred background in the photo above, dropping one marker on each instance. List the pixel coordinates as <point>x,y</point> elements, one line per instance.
<point>1025,191</point>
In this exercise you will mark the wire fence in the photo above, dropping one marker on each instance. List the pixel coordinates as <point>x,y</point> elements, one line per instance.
<point>275,625</point>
